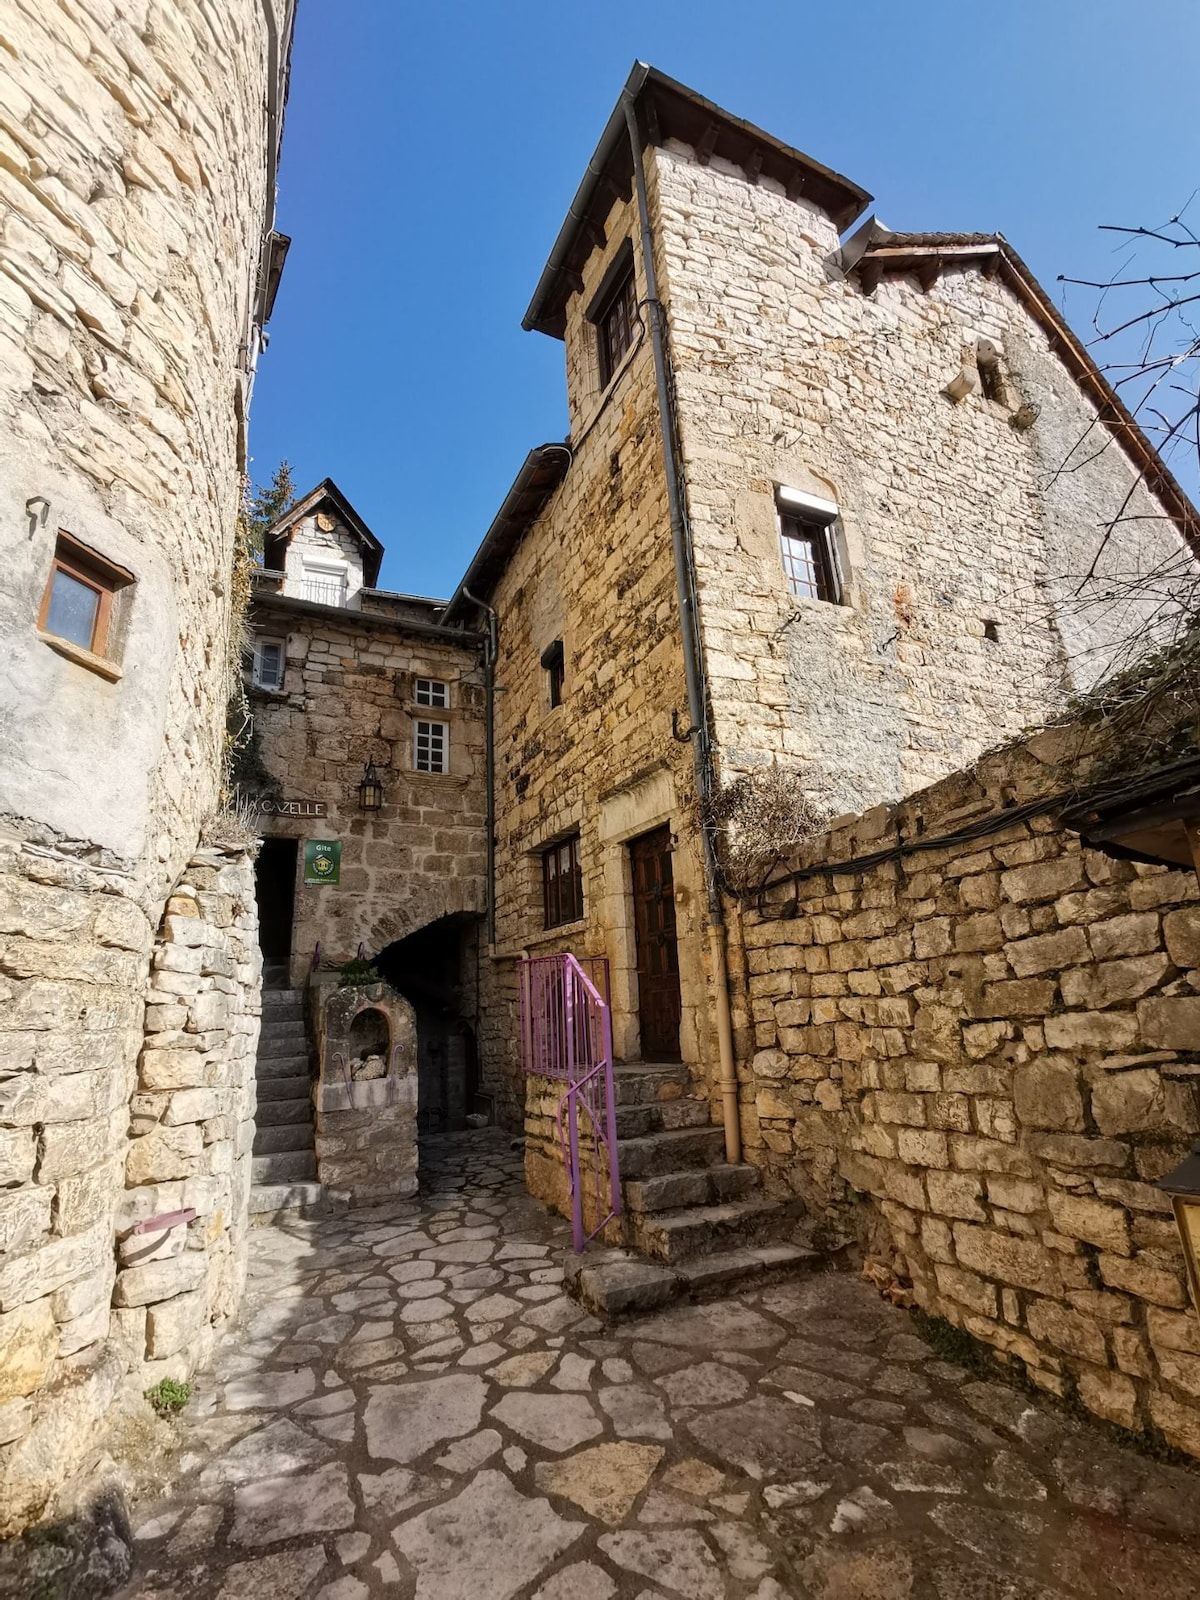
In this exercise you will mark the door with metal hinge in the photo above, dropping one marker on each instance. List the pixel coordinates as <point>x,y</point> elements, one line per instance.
<point>657,948</point>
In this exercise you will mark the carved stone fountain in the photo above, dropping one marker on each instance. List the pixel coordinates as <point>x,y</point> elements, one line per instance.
<point>366,1095</point>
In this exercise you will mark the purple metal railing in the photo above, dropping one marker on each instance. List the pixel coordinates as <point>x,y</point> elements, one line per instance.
<point>566,1033</point>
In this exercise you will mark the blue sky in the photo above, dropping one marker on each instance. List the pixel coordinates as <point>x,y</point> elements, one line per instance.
<point>431,151</point>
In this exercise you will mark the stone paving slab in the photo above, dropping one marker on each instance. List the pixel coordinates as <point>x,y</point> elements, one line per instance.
<point>500,1444</point>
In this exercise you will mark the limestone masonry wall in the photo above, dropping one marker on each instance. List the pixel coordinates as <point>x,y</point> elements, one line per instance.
<point>788,374</point>
<point>981,1057</point>
<point>348,697</point>
<point>133,187</point>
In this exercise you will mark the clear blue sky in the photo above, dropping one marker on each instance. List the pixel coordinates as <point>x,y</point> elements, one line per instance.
<point>431,151</point>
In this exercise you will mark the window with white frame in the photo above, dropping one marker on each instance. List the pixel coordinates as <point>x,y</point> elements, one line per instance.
<point>431,747</point>
<point>269,663</point>
<point>324,581</point>
<point>806,545</point>
<point>432,692</point>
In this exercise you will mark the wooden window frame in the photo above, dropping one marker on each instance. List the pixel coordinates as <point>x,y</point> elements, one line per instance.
<point>86,567</point>
<point>811,525</point>
<point>430,685</point>
<point>255,670</point>
<point>554,661</point>
<point>562,883</point>
<point>614,314</point>
<point>444,730</point>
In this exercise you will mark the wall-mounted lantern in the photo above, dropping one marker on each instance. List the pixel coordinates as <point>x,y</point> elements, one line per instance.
<point>1183,1185</point>
<point>370,790</point>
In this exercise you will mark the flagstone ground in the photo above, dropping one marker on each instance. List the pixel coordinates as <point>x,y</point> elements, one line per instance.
<point>413,1408</point>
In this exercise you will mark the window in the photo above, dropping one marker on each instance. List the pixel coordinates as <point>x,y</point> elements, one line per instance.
<point>806,545</point>
<point>431,692</point>
<point>615,322</point>
<point>324,582</point>
<point>269,662</point>
<point>554,663</point>
<point>562,883</point>
<point>77,607</point>
<point>432,747</point>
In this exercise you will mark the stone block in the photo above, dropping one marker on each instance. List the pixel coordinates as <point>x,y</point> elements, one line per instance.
<point>160,1280</point>
<point>1051,1323</point>
<point>1179,1423</point>
<point>967,1288</point>
<point>1046,1094</point>
<point>163,1154</point>
<point>1146,1277</point>
<point>1131,935</point>
<point>1043,880</point>
<point>1181,935</point>
<point>207,1011</point>
<point>84,1199</point>
<point>1066,1150</point>
<point>1131,1102</point>
<point>1018,997</point>
<point>185,929</point>
<point>173,1069</point>
<point>1170,1022</point>
<point>955,1194</point>
<point>191,1105</point>
<point>1020,1262</point>
<point>1048,952</point>
<point>1093,1221</point>
<point>70,1148</point>
<point>1170,1330</point>
<point>1015,1194</point>
<point>1109,1394</point>
<point>24,1218</point>
<point>28,1346</point>
<point>1091,1030</point>
<point>53,1264</point>
<point>921,1148</point>
<point>172,1324</point>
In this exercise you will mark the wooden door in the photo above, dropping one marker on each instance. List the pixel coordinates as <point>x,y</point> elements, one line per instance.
<point>657,950</point>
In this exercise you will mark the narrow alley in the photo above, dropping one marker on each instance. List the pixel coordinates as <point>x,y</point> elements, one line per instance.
<point>413,1408</point>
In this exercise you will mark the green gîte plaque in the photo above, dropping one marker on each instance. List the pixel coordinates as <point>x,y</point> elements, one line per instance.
<point>322,860</point>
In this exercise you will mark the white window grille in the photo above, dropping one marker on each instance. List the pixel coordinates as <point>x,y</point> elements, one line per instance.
<point>432,692</point>
<point>269,663</point>
<point>432,747</point>
<point>325,582</point>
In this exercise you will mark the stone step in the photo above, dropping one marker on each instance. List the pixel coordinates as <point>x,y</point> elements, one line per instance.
<point>268,1199</point>
<point>679,1236</point>
<point>272,1113</point>
<point>281,1038</point>
<point>293,1066</point>
<point>283,1005</point>
<point>618,1283</point>
<point>636,1082</point>
<point>284,1138</point>
<point>704,1186</point>
<point>655,1153</point>
<point>658,1115</point>
<point>296,1087</point>
<point>282,1168</point>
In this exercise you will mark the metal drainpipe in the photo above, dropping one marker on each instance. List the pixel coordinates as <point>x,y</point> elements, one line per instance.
<point>489,682</point>
<point>692,656</point>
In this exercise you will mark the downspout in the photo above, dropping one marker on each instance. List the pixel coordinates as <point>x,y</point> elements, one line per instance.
<point>489,683</point>
<point>693,661</point>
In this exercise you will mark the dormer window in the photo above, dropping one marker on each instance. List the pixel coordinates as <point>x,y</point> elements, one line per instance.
<point>615,316</point>
<point>324,582</point>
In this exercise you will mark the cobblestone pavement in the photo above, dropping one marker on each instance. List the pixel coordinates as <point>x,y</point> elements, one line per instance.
<point>414,1409</point>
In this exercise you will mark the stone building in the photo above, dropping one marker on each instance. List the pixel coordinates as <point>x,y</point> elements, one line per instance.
<point>368,736</point>
<point>137,267</point>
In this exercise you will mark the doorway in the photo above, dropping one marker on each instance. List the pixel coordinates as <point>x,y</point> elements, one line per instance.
<point>656,945</point>
<point>275,891</point>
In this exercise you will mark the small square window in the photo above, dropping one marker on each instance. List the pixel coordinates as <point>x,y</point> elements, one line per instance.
<point>554,663</point>
<point>432,692</point>
<point>77,605</point>
<point>615,322</point>
<point>562,883</point>
<point>806,549</point>
<point>269,663</point>
<point>432,747</point>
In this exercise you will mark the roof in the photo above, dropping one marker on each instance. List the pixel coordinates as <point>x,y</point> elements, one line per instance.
<point>541,473</point>
<point>406,618</point>
<point>666,110</point>
<point>875,251</point>
<point>328,491</point>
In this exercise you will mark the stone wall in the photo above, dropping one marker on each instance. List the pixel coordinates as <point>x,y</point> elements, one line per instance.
<point>980,1058</point>
<point>348,698</point>
<point>951,517</point>
<point>595,570</point>
<point>134,184</point>
<point>92,1146</point>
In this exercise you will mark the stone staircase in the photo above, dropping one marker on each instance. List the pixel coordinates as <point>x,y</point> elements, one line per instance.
<point>693,1225</point>
<point>284,1162</point>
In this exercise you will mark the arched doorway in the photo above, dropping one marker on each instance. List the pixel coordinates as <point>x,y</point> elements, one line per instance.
<point>435,970</point>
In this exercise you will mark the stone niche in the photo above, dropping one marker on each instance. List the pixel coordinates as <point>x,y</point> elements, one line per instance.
<point>366,1095</point>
